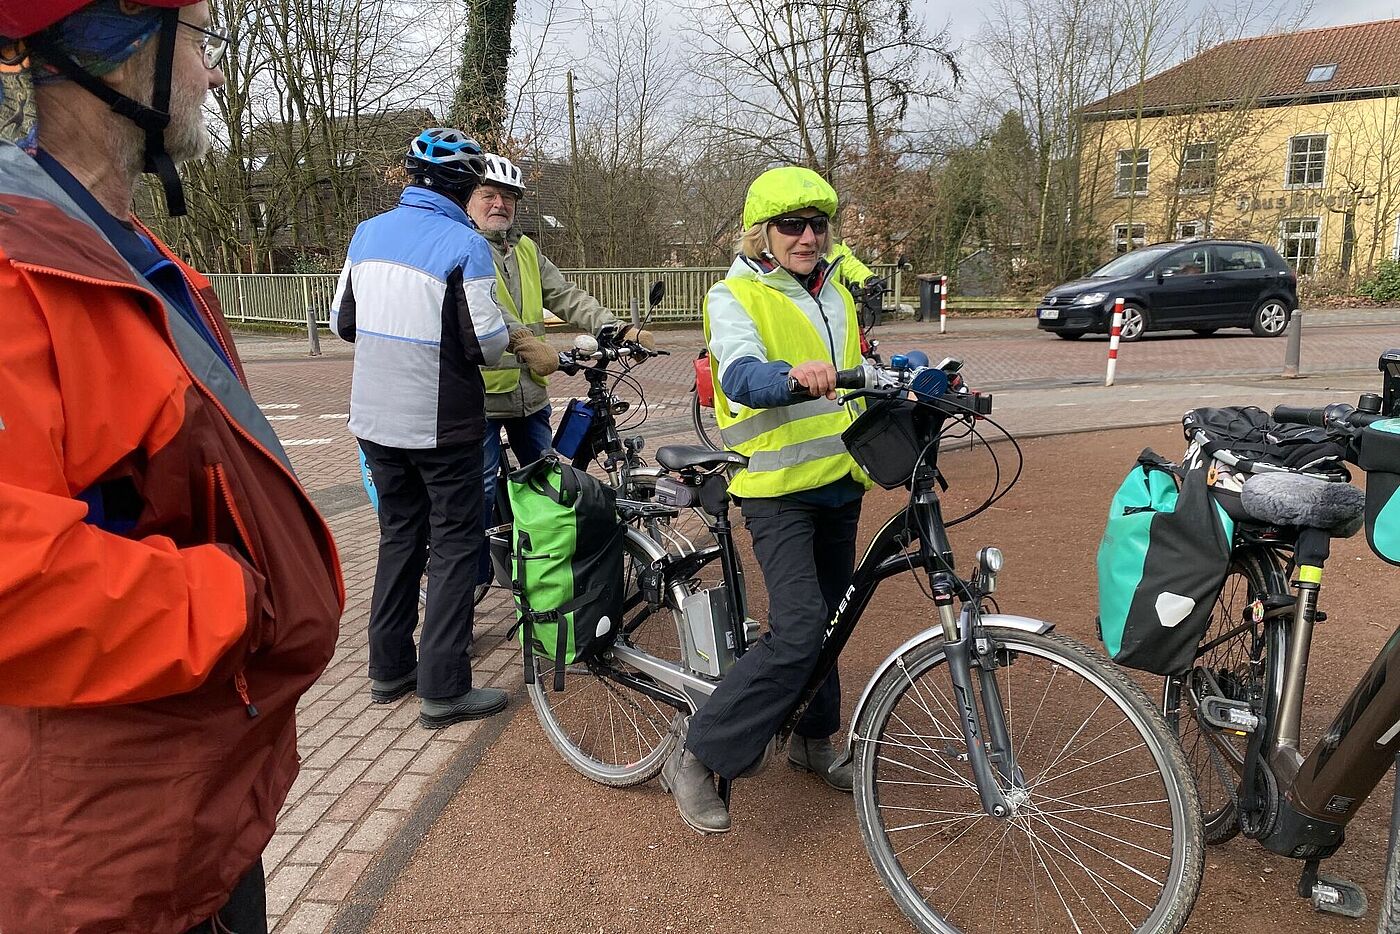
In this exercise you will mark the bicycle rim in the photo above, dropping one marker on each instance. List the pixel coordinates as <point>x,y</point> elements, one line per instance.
<point>1104,833</point>
<point>684,533</point>
<point>702,418</point>
<point>610,732</point>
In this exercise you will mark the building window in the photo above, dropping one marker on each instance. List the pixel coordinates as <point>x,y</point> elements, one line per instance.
<point>1190,230</point>
<point>1198,167</point>
<point>1132,172</point>
<point>1307,158</point>
<point>1319,73</point>
<point>1122,243</point>
<point>1299,243</point>
<point>344,159</point>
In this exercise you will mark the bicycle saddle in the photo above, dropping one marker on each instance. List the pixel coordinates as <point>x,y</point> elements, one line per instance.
<point>681,456</point>
<point>1295,499</point>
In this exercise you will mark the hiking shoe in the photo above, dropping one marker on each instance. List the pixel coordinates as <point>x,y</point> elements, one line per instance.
<point>692,784</point>
<point>473,705</point>
<point>386,692</point>
<point>819,756</point>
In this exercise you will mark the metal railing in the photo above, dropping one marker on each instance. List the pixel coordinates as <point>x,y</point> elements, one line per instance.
<point>284,299</point>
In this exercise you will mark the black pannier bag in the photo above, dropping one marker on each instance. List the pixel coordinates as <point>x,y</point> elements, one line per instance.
<point>1161,564</point>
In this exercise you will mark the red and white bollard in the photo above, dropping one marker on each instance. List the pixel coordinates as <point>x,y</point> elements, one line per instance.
<point>1114,333</point>
<point>943,305</point>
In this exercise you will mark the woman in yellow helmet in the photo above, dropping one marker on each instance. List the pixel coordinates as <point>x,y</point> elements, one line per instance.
<point>781,312</point>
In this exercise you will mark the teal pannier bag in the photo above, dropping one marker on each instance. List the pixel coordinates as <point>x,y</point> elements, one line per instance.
<point>566,564</point>
<point>1161,563</point>
<point>1380,458</point>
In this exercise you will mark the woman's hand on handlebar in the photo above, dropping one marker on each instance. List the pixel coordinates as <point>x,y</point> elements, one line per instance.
<point>817,377</point>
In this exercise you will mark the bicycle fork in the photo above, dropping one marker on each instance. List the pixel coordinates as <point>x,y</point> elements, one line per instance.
<point>993,755</point>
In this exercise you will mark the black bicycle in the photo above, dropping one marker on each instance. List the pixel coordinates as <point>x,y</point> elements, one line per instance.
<point>1238,709</point>
<point>1006,777</point>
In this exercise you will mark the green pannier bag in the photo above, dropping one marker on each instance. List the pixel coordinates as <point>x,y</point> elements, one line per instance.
<point>1380,458</point>
<point>566,563</point>
<point>1161,564</point>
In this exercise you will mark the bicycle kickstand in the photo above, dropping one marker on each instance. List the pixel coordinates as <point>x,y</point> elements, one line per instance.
<point>724,786</point>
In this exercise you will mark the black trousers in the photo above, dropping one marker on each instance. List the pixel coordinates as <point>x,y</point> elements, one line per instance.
<point>807,555</point>
<point>246,910</point>
<point>429,516</point>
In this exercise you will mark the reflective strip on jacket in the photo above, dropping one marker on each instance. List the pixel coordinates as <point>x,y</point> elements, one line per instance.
<point>796,447</point>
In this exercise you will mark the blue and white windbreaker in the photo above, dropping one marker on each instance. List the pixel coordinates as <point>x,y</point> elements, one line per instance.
<point>417,296</point>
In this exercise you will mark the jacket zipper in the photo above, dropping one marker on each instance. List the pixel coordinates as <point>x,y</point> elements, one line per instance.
<point>240,684</point>
<point>237,426</point>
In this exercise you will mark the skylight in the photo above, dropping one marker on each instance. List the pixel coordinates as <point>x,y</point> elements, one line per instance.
<point>1320,73</point>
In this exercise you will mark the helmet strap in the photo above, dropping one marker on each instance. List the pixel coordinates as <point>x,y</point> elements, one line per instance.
<point>152,120</point>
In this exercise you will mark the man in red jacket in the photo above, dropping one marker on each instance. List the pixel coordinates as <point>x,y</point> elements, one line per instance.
<point>167,589</point>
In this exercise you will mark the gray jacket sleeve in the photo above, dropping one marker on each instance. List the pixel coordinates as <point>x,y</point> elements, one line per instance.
<point>570,302</point>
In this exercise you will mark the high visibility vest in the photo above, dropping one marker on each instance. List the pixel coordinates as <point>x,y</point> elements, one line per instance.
<point>794,447</point>
<point>506,376</point>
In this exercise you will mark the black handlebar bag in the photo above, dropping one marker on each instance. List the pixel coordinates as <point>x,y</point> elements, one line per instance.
<point>1380,458</point>
<point>1162,561</point>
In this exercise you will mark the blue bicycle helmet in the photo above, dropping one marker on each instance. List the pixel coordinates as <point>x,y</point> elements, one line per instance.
<point>444,158</point>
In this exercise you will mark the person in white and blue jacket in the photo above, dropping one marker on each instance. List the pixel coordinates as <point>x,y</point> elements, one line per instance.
<point>417,296</point>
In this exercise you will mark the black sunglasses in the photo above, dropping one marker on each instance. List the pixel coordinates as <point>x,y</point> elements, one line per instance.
<point>793,226</point>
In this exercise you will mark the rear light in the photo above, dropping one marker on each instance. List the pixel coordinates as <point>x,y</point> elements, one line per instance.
<point>704,382</point>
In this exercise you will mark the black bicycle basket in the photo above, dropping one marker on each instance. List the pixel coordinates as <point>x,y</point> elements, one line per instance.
<point>887,439</point>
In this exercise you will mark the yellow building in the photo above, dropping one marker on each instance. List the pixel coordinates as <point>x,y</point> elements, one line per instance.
<point>1291,139</point>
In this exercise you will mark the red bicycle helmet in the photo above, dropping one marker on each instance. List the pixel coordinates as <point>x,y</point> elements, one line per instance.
<point>20,20</point>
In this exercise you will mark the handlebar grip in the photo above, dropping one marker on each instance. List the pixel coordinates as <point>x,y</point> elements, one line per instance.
<point>854,378</point>
<point>1300,415</point>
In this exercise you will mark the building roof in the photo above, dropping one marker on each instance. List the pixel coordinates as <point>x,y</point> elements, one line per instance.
<point>1272,70</point>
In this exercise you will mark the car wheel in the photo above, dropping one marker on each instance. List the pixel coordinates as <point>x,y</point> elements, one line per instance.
<point>1205,332</point>
<point>1069,335</point>
<point>1270,318</point>
<point>1134,323</point>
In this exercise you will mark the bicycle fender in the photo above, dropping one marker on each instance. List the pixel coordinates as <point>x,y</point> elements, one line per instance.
<point>928,636</point>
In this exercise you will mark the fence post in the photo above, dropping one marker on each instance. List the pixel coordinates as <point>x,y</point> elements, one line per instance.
<point>242,312</point>
<point>1113,335</point>
<point>313,336</point>
<point>943,305</point>
<point>632,307</point>
<point>1294,351</point>
<point>898,286</point>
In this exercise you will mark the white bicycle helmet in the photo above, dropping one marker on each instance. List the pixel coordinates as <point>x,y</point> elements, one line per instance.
<point>501,171</point>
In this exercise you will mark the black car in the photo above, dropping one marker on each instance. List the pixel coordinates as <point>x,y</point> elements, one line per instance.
<point>1203,285</point>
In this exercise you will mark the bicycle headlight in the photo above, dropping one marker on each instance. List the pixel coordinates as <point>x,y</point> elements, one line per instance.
<point>1091,298</point>
<point>990,561</point>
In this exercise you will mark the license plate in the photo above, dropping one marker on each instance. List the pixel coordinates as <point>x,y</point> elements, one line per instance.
<point>1049,314</point>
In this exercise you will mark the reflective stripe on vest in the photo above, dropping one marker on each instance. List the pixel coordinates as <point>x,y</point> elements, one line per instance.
<point>797,447</point>
<point>506,376</point>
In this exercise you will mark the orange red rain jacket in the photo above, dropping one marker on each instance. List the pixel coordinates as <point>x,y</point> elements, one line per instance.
<point>137,782</point>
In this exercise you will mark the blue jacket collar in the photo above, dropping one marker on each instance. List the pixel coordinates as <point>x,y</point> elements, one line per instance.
<point>415,196</point>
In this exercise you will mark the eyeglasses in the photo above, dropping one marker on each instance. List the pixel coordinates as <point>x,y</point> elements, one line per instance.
<point>794,226</point>
<point>213,45</point>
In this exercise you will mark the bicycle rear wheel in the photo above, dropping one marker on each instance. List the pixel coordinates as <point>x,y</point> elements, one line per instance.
<point>703,420</point>
<point>1104,831</point>
<point>1236,656</point>
<point>606,730</point>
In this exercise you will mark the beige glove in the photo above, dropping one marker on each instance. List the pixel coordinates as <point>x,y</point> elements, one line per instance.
<point>533,352</point>
<point>638,336</point>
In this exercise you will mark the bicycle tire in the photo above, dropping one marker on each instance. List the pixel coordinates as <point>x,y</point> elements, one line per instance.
<point>1388,915</point>
<point>1241,665</point>
<point>1018,900</point>
<point>705,429</point>
<point>575,719</point>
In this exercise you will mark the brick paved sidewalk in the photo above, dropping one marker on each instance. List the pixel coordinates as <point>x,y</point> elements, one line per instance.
<point>366,768</point>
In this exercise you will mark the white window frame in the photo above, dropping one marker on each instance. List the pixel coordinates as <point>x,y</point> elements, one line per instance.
<point>1202,230</point>
<point>1123,243</point>
<point>1286,237</point>
<point>345,158</point>
<point>1307,160</point>
<point>1142,160</point>
<point>1395,247</point>
<point>1317,68</point>
<point>1209,176</point>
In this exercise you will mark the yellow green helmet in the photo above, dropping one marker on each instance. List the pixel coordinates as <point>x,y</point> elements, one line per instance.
<point>790,188</point>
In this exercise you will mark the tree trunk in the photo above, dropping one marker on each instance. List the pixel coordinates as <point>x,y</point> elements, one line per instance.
<point>479,106</point>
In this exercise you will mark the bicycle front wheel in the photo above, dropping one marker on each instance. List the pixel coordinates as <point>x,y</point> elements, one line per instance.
<point>1103,832</point>
<point>605,728</point>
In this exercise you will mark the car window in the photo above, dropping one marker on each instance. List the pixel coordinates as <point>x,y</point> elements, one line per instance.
<point>1236,258</point>
<point>1129,264</point>
<point>1190,262</point>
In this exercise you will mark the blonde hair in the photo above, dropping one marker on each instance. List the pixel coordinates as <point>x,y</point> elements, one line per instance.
<point>754,243</point>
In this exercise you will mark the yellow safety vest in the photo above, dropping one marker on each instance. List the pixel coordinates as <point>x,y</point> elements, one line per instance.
<point>506,376</point>
<point>795,447</point>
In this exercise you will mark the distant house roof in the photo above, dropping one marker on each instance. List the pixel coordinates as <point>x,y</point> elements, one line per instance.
<point>542,210</point>
<point>1360,60</point>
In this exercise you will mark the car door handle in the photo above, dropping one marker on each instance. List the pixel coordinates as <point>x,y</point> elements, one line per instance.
<point>1209,281</point>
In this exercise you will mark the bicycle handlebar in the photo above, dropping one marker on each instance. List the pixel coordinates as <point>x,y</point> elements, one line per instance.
<point>1300,415</point>
<point>1338,419</point>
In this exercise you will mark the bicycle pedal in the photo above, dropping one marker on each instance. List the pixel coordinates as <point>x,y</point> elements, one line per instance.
<point>1231,716</point>
<point>1338,897</point>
